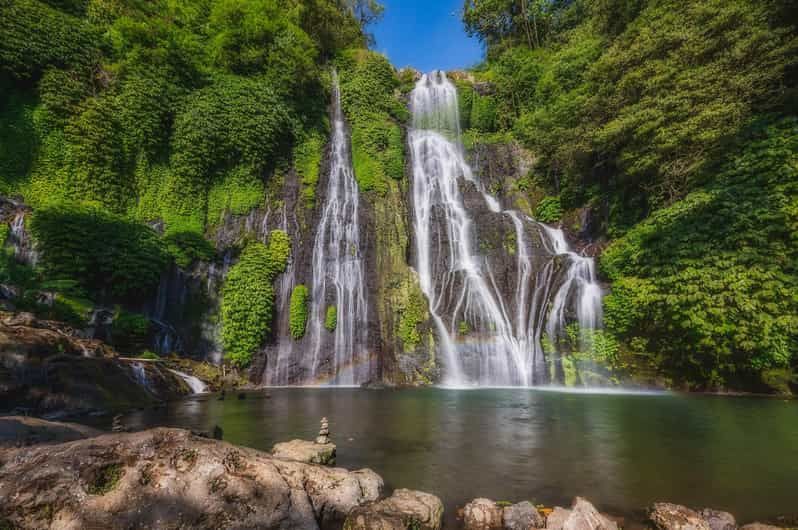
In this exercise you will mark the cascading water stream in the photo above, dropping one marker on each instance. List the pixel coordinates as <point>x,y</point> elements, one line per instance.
<point>338,268</point>
<point>464,296</point>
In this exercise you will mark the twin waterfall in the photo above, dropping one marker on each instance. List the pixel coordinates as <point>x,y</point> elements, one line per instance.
<point>492,311</point>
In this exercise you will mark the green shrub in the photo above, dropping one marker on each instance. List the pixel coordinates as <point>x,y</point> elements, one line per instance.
<point>331,318</point>
<point>299,311</point>
<point>549,210</point>
<point>707,285</point>
<point>368,83</point>
<point>307,161</point>
<point>234,119</point>
<point>188,247</point>
<point>237,192</point>
<point>279,250</point>
<point>247,304</point>
<point>150,355</point>
<point>34,36</point>
<point>102,252</point>
<point>130,330</point>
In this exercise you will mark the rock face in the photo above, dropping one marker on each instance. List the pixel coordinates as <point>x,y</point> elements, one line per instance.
<point>168,478</point>
<point>581,516</point>
<point>404,510</point>
<point>20,431</point>
<point>718,520</point>
<point>46,369</point>
<point>522,516</point>
<point>482,514</point>
<point>667,516</point>
<point>305,451</point>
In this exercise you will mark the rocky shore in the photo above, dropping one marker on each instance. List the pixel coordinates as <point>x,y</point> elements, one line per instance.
<point>77,477</point>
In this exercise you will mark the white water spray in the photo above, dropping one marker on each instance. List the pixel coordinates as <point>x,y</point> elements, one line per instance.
<point>483,340</point>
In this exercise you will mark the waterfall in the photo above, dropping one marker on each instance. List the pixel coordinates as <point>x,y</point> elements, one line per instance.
<point>338,268</point>
<point>278,365</point>
<point>486,336</point>
<point>194,383</point>
<point>20,240</point>
<point>140,374</point>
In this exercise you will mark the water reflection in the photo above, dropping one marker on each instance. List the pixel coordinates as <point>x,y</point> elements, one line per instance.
<point>621,451</point>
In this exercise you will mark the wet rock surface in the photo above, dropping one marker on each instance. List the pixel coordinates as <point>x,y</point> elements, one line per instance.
<point>582,516</point>
<point>482,514</point>
<point>46,369</point>
<point>404,510</point>
<point>668,516</point>
<point>168,478</point>
<point>522,516</point>
<point>20,431</point>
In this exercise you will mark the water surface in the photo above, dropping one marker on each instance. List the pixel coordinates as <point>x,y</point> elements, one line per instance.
<point>621,451</point>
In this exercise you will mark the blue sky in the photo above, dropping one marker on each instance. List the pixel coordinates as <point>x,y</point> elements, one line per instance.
<point>425,34</point>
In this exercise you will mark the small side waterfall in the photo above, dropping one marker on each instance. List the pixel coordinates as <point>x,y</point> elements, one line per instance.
<point>488,335</point>
<point>194,383</point>
<point>278,367</point>
<point>338,268</point>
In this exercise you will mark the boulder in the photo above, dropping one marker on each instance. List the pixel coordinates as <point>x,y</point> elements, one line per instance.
<point>20,431</point>
<point>522,516</point>
<point>404,510</point>
<point>482,514</point>
<point>168,478</point>
<point>718,520</point>
<point>582,516</point>
<point>760,526</point>
<point>305,451</point>
<point>48,370</point>
<point>668,516</point>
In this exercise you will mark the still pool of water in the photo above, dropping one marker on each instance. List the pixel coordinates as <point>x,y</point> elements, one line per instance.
<point>621,451</point>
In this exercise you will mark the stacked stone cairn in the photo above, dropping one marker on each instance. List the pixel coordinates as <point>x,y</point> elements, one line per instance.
<point>324,433</point>
<point>116,425</point>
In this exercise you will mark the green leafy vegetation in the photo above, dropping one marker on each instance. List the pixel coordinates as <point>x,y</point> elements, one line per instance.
<point>298,318</point>
<point>103,253</point>
<point>248,297</point>
<point>130,330</point>
<point>247,304</point>
<point>331,318</point>
<point>549,210</point>
<point>307,161</point>
<point>706,288</point>
<point>368,85</point>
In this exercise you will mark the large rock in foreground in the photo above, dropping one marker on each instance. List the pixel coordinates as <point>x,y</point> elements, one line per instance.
<point>404,510</point>
<point>168,478</point>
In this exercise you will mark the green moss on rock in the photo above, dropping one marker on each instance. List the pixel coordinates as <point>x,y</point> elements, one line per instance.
<point>299,311</point>
<point>331,318</point>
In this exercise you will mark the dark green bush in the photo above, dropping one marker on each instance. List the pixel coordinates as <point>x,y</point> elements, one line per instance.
<point>188,247</point>
<point>104,253</point>
<point>34,36</point>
